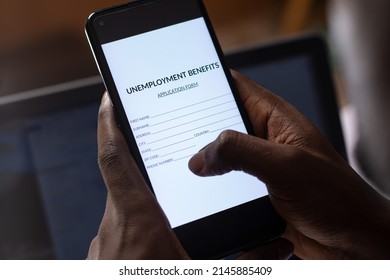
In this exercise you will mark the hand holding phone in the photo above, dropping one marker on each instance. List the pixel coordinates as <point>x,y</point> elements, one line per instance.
<point>141,230</point>
<point>173,95</point>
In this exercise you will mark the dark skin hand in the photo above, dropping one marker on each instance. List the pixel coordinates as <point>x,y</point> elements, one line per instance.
<point>134,226</point>
<point>331,212</point>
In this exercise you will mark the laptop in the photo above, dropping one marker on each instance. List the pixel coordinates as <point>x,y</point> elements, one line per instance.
<point>52,196</point>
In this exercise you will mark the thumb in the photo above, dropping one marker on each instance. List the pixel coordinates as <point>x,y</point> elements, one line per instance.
<point>236,151</point>
<point>125,184</point>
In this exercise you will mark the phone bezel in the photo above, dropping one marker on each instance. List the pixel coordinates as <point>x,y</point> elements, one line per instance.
<point>220,234</point>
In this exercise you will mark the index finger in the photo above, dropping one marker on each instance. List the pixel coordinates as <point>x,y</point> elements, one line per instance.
<point>258,102</point>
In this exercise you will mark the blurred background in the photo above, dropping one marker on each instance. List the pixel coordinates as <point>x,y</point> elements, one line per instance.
<point>42,43</point>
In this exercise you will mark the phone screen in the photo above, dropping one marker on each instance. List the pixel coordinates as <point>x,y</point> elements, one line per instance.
<point>177,99</point>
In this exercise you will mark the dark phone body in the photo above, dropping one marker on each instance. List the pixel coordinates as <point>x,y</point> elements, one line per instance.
<point>216,235</point>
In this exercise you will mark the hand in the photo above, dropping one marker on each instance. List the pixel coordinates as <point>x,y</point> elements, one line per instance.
<point>331,212</point>
<point>133,225</point>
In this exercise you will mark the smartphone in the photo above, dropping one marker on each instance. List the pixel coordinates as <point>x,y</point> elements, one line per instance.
<point>173,94</point>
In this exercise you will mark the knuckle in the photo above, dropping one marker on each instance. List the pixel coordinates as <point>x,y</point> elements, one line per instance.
<point>226,143</point>
<point>222,158</point>
<point>109,155</point>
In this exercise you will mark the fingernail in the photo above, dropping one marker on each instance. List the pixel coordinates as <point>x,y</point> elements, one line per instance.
<point>196,163</point>
<point>104,97</point>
